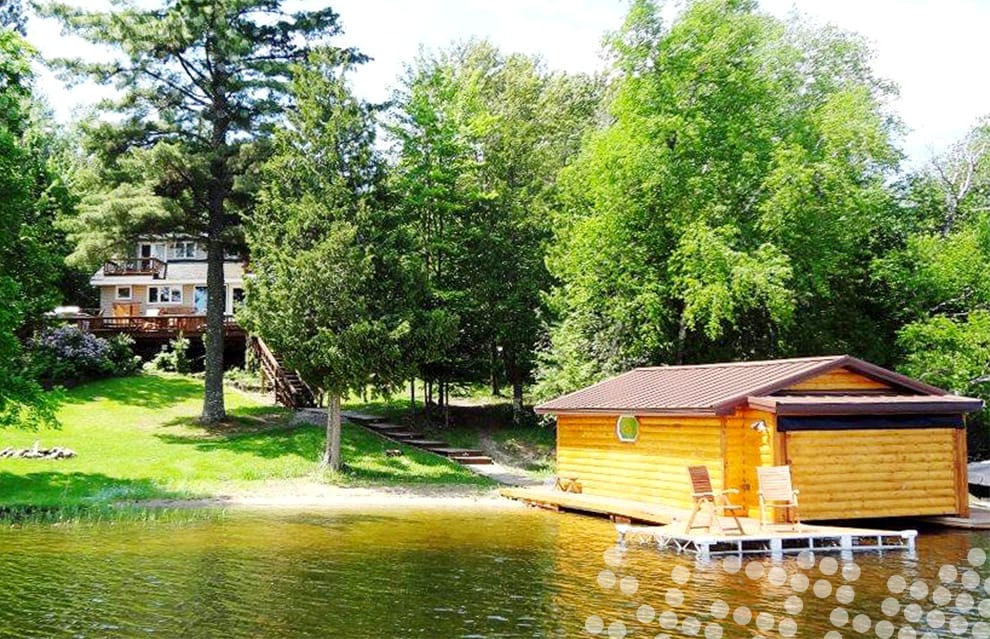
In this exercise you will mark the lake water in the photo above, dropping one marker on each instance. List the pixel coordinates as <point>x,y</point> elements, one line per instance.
<point>448,573</point>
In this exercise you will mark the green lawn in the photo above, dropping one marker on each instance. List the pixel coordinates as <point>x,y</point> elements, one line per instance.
<point>137,439</point>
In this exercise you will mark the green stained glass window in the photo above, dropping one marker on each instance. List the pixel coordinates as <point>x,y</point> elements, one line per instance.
<point>627,428</point>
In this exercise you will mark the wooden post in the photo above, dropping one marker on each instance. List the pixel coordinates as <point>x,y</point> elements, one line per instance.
<point>961,468</point>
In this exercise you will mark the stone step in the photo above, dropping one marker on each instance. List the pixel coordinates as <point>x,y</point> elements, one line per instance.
<point>362,417</point>
<point>425,443</point>
<point>385,427</point>
<point>450,452</point>
<point>471,459</point>
<point>404,435</point>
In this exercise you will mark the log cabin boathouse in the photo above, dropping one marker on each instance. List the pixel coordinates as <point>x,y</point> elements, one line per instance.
<point>862,441</point>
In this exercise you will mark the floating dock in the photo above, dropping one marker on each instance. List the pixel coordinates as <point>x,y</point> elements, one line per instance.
<point>774,540</point>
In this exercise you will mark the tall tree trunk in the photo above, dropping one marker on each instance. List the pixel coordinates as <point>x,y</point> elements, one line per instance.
<point>331,454</point>
<point>517,401</point>
<point>214,410</point>
<point>681,340</point>
<point>493,364</point>
<point>428,392</point>
<point>412,395</point>
<point>445,394</point>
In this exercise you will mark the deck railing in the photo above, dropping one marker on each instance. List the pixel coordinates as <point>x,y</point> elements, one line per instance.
<point>158,325</point>
<point>139,266</point>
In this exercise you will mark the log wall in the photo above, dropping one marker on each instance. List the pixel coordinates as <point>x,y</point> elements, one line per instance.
<point>875,473</point>
<point>651,469</point>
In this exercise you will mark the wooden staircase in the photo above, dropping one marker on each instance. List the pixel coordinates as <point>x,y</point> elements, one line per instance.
<point>290,389</point>
<point>409,437</point>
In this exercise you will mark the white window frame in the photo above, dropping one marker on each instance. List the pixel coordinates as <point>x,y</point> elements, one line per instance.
<point>184,246</point>
<point>161,252</point>
<point>158,292</point>
<point>229,302</point>
<point>121,298</point>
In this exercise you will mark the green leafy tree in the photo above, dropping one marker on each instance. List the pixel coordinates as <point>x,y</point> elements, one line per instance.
<point>481,138</point>
<point>935,280</point>
<point>201,84</point>
<point>732,203</point>
<point>330,283</point>
<point>26,274</point>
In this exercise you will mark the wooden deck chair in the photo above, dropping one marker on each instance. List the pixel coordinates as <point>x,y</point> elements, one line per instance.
<point>716,502</point>
<point>776,491</point>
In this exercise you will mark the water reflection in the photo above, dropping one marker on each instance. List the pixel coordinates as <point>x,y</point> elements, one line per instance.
<point>414,573</point>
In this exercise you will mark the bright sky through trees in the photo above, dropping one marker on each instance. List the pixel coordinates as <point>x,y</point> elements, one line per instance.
<point>933,49</point>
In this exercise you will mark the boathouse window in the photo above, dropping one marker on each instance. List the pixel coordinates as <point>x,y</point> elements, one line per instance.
<point>123,292</point>
<point>164,295</point>
<point>627,428</point>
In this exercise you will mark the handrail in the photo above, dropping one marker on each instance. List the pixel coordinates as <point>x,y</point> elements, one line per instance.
<point>285,393</point>
<point>185,323</point>
<point>137,266</point>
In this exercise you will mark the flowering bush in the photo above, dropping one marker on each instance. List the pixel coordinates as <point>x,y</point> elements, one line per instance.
<point>66,353</point>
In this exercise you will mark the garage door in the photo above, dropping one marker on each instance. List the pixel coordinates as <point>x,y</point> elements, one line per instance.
<point>846,474</point>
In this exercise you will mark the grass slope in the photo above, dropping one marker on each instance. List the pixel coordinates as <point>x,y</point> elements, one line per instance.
<point>137,439</point>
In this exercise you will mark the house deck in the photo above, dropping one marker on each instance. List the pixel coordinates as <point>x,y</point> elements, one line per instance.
<point>774,540</point>
<point>161,326</point>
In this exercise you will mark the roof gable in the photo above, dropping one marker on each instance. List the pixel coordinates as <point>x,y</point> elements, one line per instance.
<point>715,388</point>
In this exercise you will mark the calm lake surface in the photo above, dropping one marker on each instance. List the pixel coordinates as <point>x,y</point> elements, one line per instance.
<point>450,573</point>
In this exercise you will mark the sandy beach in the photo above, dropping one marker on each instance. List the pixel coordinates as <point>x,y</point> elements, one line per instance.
<point>304,493</point>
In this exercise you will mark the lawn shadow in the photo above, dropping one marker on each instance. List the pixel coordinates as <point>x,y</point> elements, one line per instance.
<point>144,391</point>
<point>257,436</point>
<point>52,489</point>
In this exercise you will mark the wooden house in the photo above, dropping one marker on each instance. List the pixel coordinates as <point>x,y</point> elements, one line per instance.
<point>162,277</point>
<point>862,441</point>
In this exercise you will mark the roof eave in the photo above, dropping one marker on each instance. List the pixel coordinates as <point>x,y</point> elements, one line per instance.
<point>682,412</point>
<point>934,407</point>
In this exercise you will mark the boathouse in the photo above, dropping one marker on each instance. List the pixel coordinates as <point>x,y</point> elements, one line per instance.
<point>862,441</point>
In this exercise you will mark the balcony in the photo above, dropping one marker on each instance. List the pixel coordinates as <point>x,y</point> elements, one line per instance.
<point>162,326</point>
<point>141,266</point>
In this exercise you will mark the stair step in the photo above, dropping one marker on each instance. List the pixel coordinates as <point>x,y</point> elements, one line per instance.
<point>459,452</point>
<point>425,443</point>
<point>385,427</point>
<point>404,435</point>
<point>362,417</point>
<point>472,459</point>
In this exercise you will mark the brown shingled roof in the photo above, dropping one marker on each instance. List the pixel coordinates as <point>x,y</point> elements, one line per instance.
<point>872,404</point>
<point>713,389</point>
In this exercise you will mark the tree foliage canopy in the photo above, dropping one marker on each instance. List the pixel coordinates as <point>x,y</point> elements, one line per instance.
<point>733,198</point>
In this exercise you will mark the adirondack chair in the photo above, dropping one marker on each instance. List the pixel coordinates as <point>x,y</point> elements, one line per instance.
<point>776,491</point>
<point>716,502</point>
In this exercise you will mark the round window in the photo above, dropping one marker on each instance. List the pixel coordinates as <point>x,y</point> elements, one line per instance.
<point>627,428</point>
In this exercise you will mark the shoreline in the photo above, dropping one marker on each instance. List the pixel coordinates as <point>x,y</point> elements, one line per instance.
<point>294,494</point>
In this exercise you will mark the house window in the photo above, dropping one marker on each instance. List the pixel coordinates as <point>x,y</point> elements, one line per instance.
<point>123,292</point>
<point>152,249</point>
<point>235,297</point>
<point>183,250</point>
<point>627,428</point>
<point>164,294</point>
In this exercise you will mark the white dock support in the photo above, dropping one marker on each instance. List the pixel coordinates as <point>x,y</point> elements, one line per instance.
<point>909,537</point>
<point>776,549</point>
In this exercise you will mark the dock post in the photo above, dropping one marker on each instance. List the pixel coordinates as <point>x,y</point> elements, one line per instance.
<point>777,549</point>
<point>910,536</point>
<point>704,546</point>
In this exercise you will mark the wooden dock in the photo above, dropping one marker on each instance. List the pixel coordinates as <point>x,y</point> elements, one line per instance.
<point>775,540</point>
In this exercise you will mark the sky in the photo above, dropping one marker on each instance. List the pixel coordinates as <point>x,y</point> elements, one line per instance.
<point>934,50</point>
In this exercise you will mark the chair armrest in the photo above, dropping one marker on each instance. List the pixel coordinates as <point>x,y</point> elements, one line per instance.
<point>797,492</point>
<point>703,494</point>
<point>730,491</point>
